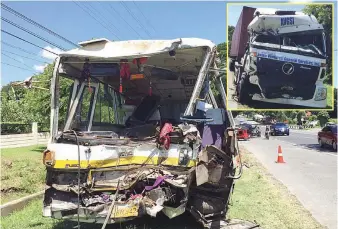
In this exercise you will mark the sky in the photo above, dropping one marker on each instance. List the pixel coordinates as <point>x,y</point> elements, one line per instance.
<point>160,20</point>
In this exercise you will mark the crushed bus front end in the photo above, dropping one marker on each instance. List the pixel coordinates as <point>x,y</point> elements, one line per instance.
<point>143,134</point>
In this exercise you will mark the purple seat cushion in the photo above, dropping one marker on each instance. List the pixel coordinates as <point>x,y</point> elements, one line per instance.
<point>213,135</point>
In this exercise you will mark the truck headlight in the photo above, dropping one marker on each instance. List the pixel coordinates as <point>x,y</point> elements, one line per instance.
<point>320,94</point>
<point>323,74</point>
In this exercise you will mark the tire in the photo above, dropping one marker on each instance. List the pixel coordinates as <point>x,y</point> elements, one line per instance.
<point>288,134</point>
<point>243,89</point>
<point>321,145</point>
<point>232,65</point>
<point>236,75</point>
<point>334,146</point>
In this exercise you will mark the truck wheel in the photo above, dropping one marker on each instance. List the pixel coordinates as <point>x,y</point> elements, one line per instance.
<point>235,76</point>
<point>334,146</point>
<point>243,89</point>
<point>232,65</point>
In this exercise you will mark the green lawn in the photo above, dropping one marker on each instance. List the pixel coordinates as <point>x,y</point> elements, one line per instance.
<point>257,197</point>
<point>22,172</point>
<point>330,98</point>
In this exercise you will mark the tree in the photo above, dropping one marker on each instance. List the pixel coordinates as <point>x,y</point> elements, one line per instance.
<point>333,114</point>
<point>323,117</point>
<point>323,13</point>
<point>231,30</point>
<point>291,114</point>
<point>300,116</point>
<point>34,104</point>
<point>222,52</point>
<point>313,118</point>
<point>281,117</point>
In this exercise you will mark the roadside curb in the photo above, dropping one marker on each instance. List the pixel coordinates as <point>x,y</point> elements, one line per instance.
<point>19,204</point>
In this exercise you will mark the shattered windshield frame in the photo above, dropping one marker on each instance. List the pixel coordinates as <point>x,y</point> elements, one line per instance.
<point>296,42</point>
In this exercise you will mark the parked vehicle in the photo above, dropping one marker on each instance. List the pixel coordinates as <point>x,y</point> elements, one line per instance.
<point>328,136</point>
<point>253,130</point>
<point>243,134</point>
<point>108,166</point>
<point>280,128</point>
<point>279,56</point>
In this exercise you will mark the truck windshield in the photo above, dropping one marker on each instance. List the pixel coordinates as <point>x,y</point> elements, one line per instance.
<point>304,42</point>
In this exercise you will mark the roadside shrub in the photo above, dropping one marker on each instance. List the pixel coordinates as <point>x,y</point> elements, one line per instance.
<point>15,128</point>
<point>323,117</point>
<point>333,120</point>
<point>313,118</point>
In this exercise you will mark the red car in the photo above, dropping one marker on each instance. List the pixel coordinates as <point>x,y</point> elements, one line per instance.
<point>328,136</point>
<point>242,134</point>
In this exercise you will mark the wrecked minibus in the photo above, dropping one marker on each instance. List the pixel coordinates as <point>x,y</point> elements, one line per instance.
<point>280,57</point>
<point>144,134</point>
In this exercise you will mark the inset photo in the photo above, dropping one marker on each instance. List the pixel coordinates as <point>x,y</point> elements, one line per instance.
<point>280,56</point>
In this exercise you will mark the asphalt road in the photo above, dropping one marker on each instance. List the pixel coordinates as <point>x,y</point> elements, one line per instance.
<point>310,173</point>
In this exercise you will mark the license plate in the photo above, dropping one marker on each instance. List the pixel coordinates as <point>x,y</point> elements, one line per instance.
<point>123,211</point>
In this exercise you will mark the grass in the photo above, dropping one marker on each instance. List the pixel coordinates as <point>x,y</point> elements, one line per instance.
<point>329,101</point>
<point>22,172</point>
<point>257,197</point>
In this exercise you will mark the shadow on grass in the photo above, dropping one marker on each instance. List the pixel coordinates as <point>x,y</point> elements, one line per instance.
<point>185,221</point>
<point>39,149</point>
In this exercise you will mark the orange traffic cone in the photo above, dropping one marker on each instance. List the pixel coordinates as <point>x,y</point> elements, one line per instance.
<point>280,155</point>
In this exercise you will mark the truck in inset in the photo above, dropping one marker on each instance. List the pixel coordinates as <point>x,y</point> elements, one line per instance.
<point>279,57</point>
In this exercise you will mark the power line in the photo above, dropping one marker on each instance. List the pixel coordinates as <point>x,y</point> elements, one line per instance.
<point>138,21</point>
<point>104,18</point>
<point>146,19</point>
<point>31,33</point>
<point>16,47</point>
<point>7,8</point>
<point>15,60</point>
<point>5,51</point>
<point>86,11</point>
<point>116,12</point>
<point>95,12</point>
<point>19,67</point>
<point>28,42</point>
<point>108,11</point>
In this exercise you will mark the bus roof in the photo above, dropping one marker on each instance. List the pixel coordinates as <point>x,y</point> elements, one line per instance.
<point>104,48</point>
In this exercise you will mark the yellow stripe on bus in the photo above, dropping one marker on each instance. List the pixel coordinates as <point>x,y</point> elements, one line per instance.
<point>171,161</point>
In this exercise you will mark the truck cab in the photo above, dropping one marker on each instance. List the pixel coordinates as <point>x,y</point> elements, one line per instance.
<point>285,59</point>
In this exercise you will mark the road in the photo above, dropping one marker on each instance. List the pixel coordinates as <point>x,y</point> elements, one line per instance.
<point>310,173</point>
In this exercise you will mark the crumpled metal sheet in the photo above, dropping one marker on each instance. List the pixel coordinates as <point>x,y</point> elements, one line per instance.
<point>174,212</point>
<point>97,199</point>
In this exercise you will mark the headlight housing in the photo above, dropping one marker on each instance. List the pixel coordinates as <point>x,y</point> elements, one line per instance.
<point>48,158</point>
<point>320,94</point>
